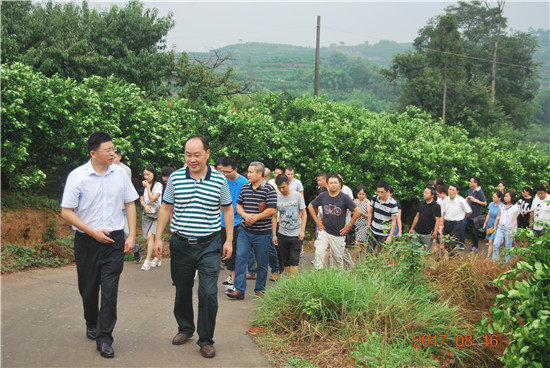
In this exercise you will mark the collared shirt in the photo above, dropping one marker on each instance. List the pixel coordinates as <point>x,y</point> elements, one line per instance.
<point>235,187</point>
<point>455,210</point>
<point>251,198</point>
<point>196,203</point>
<point>98,200</point>
<point>382,213</point>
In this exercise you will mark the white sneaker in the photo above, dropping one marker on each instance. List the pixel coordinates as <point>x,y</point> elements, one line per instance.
<point>146,266</point>
<point>156,262</point>
<point>229,289</point>
<point>227,281</point>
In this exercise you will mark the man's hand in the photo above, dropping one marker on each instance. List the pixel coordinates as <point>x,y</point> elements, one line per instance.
<point>251,219</point>
<point>129,244</point>
<point>101,236</point>
<point>411,231</point>
<point>227,250</point>
<point>320,226</point>
<point>302,235</point>
<point>158,248</point>
<point>389,239</point>
<point>275,240</point>
<point>434,235</point>
<point>345,230</point>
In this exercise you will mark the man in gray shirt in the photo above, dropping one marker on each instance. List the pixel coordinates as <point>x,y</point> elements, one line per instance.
<point>292,227</point>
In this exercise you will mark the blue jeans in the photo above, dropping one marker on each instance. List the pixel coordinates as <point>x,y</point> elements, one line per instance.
<point>475,238</point>
<point>260,244</point>
<point>503,234</point>
<point>273,261</point>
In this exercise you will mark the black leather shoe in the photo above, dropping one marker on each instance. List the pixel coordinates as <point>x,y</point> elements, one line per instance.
<point>106,350</point>
<point>91,332</point>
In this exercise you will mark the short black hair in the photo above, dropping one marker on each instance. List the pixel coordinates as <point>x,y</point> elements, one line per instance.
<point>390,190</point>
<point>96,139</point>
<point>289,168</point>
<point>454,185</point>
<point>441,188</point>
<point>383,184</point>
<point>432,189</point>
<point>439,181</point>
<point>541,187</point>
<point>219,161</point>
<point>280,168</point>
<point>322,174</point>
<point>335,176</point>
<point>361,188</point>
<point>476,179</point>
<point>527,189</point>
<point>280,179</point>
<point>499,194</point>
<point>167,170</point>
<point>230,161</point>
<point>203,139</point>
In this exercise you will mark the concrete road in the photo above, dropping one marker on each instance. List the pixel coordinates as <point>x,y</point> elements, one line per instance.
<point>43,324</point>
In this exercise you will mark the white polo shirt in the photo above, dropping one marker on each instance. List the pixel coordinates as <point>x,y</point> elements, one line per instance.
<point>455,210</point>
<point>98,200</point>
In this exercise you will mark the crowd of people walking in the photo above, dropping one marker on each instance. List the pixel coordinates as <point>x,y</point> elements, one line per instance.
<point>255,222</point>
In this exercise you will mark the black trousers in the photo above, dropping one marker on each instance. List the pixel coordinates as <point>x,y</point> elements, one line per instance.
<point>98,267</point>
<point>454,229</point>
<point>185,259</point>
<point>289,250</point>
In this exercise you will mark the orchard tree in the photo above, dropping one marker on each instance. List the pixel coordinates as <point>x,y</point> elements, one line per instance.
<point>78,42</point>
<point>208,80</point>
<point>480,27</point>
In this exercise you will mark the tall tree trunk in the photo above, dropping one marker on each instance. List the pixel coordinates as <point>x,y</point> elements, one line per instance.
<point>444,90</point>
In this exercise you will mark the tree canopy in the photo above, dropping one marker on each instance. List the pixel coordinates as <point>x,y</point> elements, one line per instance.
<point>465,39</point>
<point>78,42</point>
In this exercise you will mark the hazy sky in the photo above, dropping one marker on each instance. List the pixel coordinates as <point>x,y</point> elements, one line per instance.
<point>202,26</point>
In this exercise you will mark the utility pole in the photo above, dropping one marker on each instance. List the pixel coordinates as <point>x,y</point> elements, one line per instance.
<point>317,49</point>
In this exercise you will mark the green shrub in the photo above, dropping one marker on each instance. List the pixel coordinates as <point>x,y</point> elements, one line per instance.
<point>18,257</point>
<point>522,310</point>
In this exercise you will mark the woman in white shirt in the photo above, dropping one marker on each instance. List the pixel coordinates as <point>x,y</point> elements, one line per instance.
<point>506,225</point>
<point>151,201</point>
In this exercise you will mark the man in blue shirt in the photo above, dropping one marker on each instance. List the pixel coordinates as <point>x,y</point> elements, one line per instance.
<point>93,198</point>
<point>235,181</point>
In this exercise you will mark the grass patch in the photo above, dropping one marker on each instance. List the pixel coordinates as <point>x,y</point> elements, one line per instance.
<point>369,316</point>
<point>17,257</point>
<point>28,199</point>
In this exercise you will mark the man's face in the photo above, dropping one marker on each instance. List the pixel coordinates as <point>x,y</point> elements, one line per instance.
<point>196,156</point>
<point>322,181</point>
<point>382,193</point>
<point>472,183</point>
<point>105,154</point>
<point>117,159</point>
<point>334,185</point>
<point>165,179</point>
<point>276,173</point>
<point>267,174</point>
<point>501,187</point>
<point>452,192</point>
<point>290,174</point>
<point>254,176</point>
<point>541,194</point>
<point>229,172</point>
<point>219,168</point>
<point>283,188</point>
<point>428,194</point>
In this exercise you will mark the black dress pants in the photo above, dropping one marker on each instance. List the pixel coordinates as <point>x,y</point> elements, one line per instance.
<point>98,267</point>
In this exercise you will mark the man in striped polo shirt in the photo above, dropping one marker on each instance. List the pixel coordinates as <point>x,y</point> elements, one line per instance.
<point>195,195</point>
<point>256,204</point>
<point>382,216</point>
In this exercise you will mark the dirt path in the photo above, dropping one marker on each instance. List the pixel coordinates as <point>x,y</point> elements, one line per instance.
<point>43,325</point>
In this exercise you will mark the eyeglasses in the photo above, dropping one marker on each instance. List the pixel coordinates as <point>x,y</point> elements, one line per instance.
<point>109,150</point>
<point>228,171</point>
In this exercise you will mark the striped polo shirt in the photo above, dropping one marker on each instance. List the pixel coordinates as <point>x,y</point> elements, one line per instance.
<point>196,202</point>
<point>382,214</point>
<point>250,199</point>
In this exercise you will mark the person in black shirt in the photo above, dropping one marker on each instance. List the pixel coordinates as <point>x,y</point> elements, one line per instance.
<point>426,221</point>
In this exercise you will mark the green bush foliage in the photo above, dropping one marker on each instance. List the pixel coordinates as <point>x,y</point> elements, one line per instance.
<point>522,310</point>
<point>17,257</point>
<point>46,122</point>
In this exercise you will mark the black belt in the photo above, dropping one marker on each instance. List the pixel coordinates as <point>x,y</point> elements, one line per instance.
<point>199,240</point>
<point>111,234</point>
